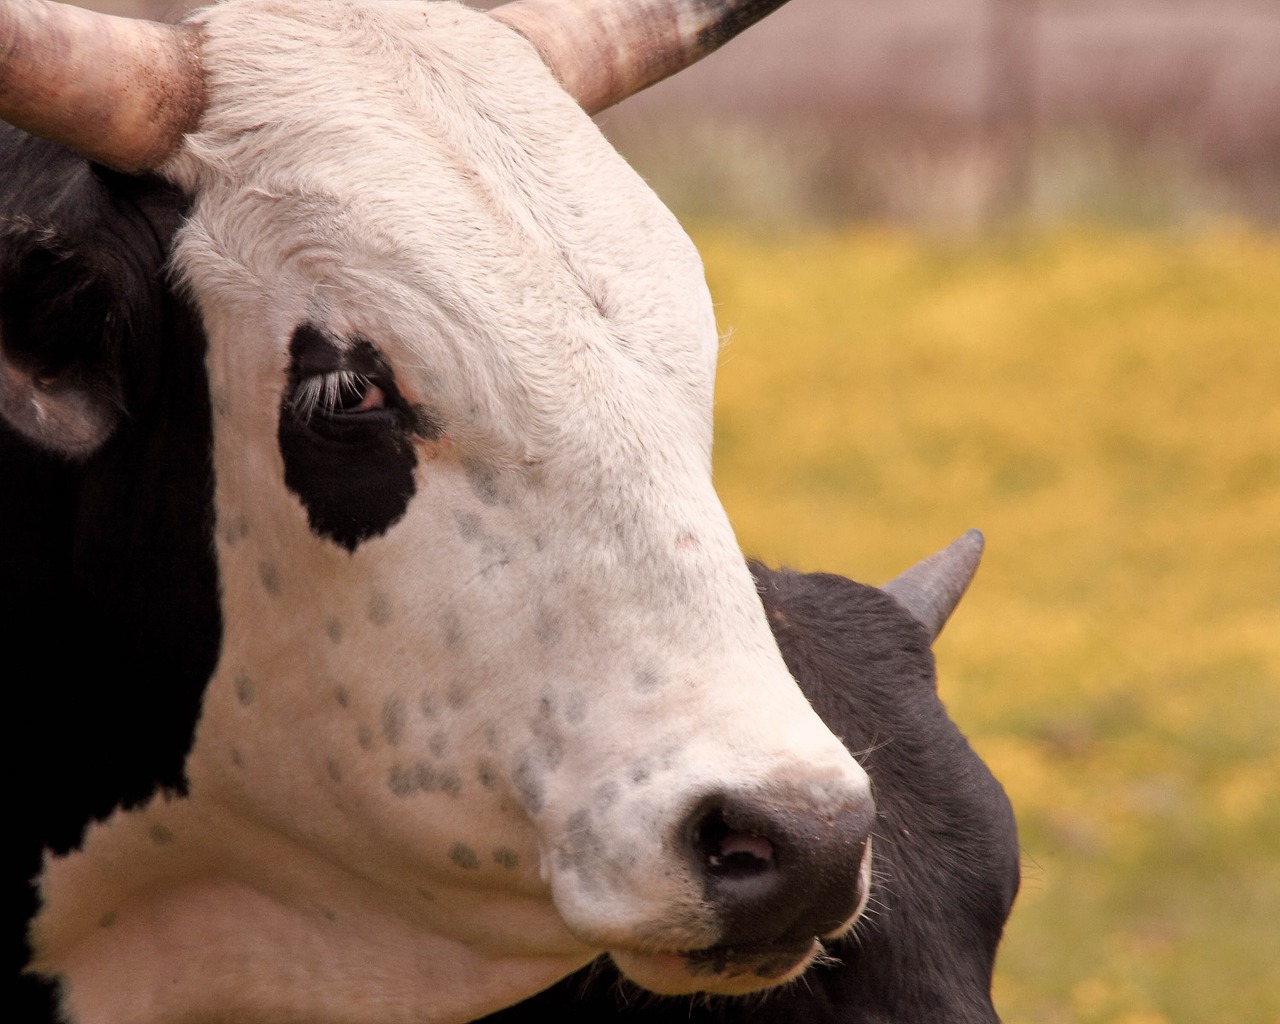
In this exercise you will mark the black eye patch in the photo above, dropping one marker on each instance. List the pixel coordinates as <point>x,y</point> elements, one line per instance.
<point>346,435</point>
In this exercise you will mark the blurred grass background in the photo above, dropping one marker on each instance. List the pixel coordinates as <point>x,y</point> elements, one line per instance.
<point>1015,264</point>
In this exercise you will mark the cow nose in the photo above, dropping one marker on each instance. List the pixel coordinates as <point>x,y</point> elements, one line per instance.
<point>779,872</point>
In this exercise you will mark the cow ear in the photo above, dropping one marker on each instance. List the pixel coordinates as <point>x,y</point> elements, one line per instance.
<point>61,330</point>
<point>930,590</point>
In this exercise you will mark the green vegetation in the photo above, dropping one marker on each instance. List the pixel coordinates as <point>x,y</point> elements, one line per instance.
<point>1105,406</point>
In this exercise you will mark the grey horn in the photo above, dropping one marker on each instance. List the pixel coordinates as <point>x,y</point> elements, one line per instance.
<point>603,51</point>
<point>930,590</point>
<point>117,90</point>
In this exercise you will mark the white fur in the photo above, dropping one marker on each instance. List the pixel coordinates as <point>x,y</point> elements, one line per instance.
<point>580,619</point>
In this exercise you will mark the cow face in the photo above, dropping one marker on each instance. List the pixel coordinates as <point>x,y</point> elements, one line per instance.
<point>496,689</point>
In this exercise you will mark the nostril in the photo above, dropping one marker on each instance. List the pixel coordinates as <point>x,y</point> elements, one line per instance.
<point>778,869</point>
<point>729,853</point>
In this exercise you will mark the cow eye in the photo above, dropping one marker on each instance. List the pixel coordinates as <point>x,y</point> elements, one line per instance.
<point>347,435</point>
<point>338,394</point>
<point>345,393</point>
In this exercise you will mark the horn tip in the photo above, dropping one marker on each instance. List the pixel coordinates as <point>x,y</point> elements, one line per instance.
<point>930,590</point>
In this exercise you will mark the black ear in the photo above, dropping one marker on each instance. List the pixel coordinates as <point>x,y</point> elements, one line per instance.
<point>930,590</point>
<point>59,330</point>
<point>82,255</point>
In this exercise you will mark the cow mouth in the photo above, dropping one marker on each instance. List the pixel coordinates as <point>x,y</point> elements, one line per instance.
<point>736,969</point>
<point>719,970</point>
<point>771,965</point>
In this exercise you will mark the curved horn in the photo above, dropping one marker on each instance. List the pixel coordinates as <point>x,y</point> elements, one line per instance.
<point>603,51</point>
<point>116,90</point>
<point>930,590</point>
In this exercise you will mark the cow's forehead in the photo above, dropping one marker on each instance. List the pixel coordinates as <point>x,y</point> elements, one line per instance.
<point>457,207</point>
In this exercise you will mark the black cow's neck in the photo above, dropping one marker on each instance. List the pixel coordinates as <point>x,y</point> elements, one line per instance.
<point>110,591</point>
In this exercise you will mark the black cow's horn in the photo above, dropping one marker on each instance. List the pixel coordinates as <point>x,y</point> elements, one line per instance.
<point>930,590</point>
<point>116,90</point>
<point>603,51</point>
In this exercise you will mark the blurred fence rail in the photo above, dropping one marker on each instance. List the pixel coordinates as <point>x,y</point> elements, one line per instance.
<point>966,111</point>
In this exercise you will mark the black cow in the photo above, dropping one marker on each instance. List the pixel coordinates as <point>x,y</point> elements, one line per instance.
<point>111,604</point>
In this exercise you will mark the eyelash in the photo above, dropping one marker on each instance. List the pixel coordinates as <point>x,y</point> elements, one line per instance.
<point>324,393</point>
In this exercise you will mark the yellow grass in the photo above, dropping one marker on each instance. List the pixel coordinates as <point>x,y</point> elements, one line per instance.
<point>1106,407</point>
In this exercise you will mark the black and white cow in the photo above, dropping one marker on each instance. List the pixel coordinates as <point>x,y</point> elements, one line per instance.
<point>404,658</point>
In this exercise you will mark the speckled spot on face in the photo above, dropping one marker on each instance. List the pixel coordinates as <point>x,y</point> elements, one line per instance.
<point>429,706</point>
<point>245,690</point>
<point>641,773</point>
<point>575,707</point>
<point>647,680</point>
<point>400,780</point>
<point>333,769</point>
<point>270,577</point>
<point>463,856</point>
<point>433,779</point>
<point>343,696</point>
<point>552,751</point>
<point>469,528</point>
<point>426,894</point>
<point>548,746</point>
<point>333,629</point>
<point>235,530</point>
<point>438,743</point>
<point>483,481</point>
<point>505,857</point>
<point>109,919</point>
<point>161,835</point>
<point>364,736</point>
<point>605,796</point>
<point>328,914</point>
<point>546,626</point>
<point>236,759</point>
<point>450,782</point>
<point>380,609</point>
<point>494,551</point>
<point>528,783</point>
<point>582,847</point>
<point>457,695</point>
<point>393,719</point>
<point>486,774</point>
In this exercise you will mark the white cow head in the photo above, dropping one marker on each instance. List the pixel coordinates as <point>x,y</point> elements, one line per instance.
<point>496,690</point>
